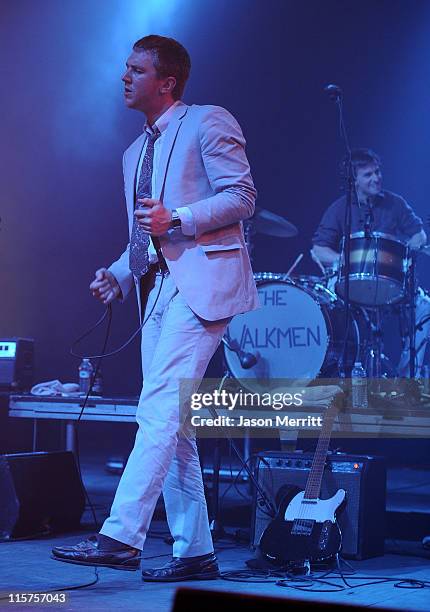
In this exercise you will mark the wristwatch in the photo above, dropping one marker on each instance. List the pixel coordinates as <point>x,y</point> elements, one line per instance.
<point>176,222</point>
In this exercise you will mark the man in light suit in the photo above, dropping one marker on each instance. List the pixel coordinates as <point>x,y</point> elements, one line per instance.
<point>196,276</point>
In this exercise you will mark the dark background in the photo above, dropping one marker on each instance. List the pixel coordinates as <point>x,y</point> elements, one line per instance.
<point>64,127</point>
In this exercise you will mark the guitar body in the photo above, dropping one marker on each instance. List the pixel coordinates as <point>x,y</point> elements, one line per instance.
<point>303,529</point>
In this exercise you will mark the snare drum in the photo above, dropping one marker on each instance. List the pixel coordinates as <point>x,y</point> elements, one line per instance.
<point>297,335</point>
<point>378,267</point>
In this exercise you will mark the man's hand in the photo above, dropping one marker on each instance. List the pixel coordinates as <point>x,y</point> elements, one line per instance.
<point>418,240</point>
<point>324,255</point>
<point>154,218</point>
<point>105,286</point>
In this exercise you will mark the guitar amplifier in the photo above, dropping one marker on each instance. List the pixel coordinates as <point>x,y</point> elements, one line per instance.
<point>16,363</point>
<point>362,516</point>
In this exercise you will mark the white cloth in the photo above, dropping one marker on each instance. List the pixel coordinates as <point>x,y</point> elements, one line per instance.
<point>176,346</point>
<point>55,387</point>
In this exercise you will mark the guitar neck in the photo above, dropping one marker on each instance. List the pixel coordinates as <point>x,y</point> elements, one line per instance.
<point>313,485</point>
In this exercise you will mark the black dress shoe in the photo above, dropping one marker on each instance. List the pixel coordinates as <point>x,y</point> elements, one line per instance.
<point>89,553</point>
<point>193,568</point>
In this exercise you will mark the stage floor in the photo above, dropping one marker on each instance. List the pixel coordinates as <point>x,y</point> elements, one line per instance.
<point>26,565</point>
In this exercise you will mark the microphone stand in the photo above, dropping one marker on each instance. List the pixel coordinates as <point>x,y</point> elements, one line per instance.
<point>368,220</point>
<point>412,322</point>
<point>336,95</point>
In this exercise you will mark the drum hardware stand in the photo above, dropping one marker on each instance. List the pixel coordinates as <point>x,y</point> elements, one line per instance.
<point>374,369</point>
<point>412,389</point>
<point>423,344</point>
<point>216,527</point>
<point>375,357</point>
<point>335,94</point>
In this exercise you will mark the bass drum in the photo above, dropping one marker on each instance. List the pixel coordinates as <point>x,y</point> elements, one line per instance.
<point>297,334</point>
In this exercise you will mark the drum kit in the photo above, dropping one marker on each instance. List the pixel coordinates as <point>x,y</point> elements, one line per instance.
<point>300,333</point>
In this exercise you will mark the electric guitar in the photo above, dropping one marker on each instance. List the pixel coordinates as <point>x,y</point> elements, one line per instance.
<point>305,527</point>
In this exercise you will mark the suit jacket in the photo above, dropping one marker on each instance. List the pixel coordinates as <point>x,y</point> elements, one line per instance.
<point>203,166</point>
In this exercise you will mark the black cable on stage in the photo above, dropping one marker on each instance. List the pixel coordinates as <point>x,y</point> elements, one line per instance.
<point>255,576</point>
<point>285,578</point>
<point>62,589</point>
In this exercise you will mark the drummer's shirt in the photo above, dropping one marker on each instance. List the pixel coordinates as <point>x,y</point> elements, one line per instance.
<point>391,215</point>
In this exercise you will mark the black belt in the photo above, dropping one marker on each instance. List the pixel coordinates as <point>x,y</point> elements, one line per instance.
<point>159,266</point>
<point>147,281</point>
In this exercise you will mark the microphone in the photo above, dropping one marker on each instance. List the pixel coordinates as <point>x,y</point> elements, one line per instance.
<point>334,92</point>
<point>247,360</point>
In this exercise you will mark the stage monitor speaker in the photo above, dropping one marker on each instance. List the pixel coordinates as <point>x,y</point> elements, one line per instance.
<point>39,493</point>
<point>187,599</point>
<point>361,518</point>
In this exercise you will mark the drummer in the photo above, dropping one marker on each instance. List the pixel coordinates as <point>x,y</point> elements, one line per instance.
<point>374,210</point>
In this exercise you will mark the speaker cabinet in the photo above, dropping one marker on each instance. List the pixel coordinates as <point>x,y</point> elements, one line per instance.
<point>39,493</point>
<point>361,518</point>
<point>16,363</point>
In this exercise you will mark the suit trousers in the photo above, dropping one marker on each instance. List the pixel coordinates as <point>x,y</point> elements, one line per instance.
<point>176,349</point>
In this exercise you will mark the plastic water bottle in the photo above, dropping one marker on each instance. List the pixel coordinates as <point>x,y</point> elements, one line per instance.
<point>359,386</point>
<point>85,374</point>
<point>98,383</point>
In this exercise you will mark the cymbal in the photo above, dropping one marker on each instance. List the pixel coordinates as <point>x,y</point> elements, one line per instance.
<point>267,222</point>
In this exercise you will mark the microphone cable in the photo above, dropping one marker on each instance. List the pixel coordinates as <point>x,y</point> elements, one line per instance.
<point>107,313</point>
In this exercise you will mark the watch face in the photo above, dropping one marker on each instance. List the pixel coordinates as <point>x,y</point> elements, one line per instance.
<point>176,222</point>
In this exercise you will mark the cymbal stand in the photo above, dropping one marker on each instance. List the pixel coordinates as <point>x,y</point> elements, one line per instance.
<point>216,527</point>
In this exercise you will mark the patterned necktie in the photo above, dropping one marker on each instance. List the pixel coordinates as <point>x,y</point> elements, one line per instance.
<point>139,241</point>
